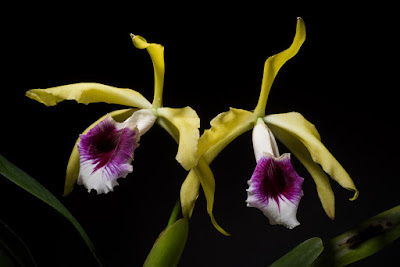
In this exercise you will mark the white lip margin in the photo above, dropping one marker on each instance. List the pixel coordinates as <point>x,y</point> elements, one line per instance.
<point>264,141</point>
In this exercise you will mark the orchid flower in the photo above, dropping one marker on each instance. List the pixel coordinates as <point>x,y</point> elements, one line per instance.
<point>275,187</point>
<point>104,151</point>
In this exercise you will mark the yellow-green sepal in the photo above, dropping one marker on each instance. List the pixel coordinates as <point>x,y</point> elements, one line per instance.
<point>320,178</point>
<point>89,93</point>
<point>183,125</point>
<point>274,63</point>
<point>225,127</point>
<point>156,52</point>
<point>207,181</point>
<point>189,193</point>
<point>72,171</point>
<point>299,134</point>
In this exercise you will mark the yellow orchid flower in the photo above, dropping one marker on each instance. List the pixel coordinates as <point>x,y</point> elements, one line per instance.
<point>104,151</point>
<point>275,188</point>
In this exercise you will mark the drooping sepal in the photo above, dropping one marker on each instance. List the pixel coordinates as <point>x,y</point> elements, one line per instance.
<point>304,141</point>
<point>183,125</point>
<point>106,153</point>
<point>275,189</point>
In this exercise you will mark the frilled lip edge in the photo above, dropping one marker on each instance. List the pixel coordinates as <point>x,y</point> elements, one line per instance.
<point>106,153</point>
<point>275,189</point>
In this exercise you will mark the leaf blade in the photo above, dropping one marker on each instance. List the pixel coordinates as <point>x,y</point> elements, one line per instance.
<point>23,180</point>
<point>302,255</point>
<point>13,250</point>
<point>169,246</point>
<point>362,241</point>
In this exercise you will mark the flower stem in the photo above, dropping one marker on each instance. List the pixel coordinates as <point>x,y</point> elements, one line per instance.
<point>175,214</point>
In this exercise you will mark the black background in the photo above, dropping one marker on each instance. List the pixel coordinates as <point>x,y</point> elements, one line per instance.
<point>344,80</point>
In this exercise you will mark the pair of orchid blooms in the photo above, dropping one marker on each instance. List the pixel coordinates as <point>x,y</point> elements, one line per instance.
<point>104,151</point>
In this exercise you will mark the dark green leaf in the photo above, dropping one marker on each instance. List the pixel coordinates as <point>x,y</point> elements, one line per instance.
<point>13,252</point>
<point>302,255</point>
<point>362,241</point>
<point>26,182</point>
<point>168,248</point>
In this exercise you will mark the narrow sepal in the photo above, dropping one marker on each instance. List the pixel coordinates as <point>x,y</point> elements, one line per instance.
<point>156,52</point>
<point>206,178</point>
<point>300,129</point>
<point>89,93</point>
<point>189,193</point>
<point>274,63</point>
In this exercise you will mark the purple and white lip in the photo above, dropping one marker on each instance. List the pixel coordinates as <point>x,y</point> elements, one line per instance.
<point>274,187</point>
<point>106,151</point>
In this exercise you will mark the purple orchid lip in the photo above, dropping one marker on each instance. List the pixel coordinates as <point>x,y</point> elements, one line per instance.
<point>275,189</point>
<point>106,153</point>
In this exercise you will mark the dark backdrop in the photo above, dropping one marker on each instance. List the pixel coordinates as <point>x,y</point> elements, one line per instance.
<point>344,80</point>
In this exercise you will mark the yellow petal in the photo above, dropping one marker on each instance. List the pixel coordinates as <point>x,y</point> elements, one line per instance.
<point>89,93</point>
<point>187,123</point>
<point>156,52</point>
<point>225,127</point>
<point>296,125</point>
<point>206,178</point>
<point>320,178</point>
<point>275,62</point>
<point>73,163</point>
<point>189,193</point>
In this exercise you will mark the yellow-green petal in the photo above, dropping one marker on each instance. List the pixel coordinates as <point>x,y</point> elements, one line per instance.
<point>225,127</point>
<point>320,178</point>
<point>297,126</point>
<point>189,193</point>
<point>89,93</point>
<point>275,62</point>
<point>206,178</point>
<point>156,52</point>
<point>187,123</point>
<point>73,162</point>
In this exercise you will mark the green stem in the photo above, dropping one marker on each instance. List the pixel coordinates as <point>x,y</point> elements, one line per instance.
<point>175,213</point>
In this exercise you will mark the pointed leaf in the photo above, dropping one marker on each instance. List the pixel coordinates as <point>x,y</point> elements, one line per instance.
<point>168,248</point>
<point>362,241</point>
<point>89,93</point>
<point>23,180</point>
<point>302,255</point>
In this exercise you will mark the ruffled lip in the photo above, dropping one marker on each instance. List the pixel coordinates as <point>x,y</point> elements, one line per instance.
<point>106,153</point>
<point>275,189</point>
